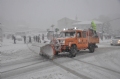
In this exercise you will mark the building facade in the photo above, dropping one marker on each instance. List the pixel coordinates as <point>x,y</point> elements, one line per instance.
<point>87,24</point>
<point>69,23</point>
<point>65,23</point>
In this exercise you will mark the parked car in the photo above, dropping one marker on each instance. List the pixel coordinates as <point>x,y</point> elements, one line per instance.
<point>19,38</point>
<point>115,41</point>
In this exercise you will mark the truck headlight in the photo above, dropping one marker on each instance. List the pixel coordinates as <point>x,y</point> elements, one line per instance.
<point>118,41</point>
<point>69,44</point>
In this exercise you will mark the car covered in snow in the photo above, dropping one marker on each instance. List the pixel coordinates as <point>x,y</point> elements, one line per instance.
<point>115,41</point>
<point>19,38</point>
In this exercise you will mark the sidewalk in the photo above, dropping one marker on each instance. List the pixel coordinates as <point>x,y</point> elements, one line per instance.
<point>12,52</point>
<point>7,42</point>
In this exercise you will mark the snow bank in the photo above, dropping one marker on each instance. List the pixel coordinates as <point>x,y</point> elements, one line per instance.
<point>12,52</point>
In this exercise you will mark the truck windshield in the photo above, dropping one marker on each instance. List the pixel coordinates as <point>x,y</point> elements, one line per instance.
<point>67,34</point>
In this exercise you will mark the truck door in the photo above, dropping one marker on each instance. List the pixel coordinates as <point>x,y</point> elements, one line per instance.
<point>79,40</point>
<point>84,39</point>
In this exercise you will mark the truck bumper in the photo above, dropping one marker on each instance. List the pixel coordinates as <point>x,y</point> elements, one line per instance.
<point>65,48</point>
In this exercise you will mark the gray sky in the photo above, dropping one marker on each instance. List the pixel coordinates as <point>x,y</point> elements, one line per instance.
<point>44,13</point>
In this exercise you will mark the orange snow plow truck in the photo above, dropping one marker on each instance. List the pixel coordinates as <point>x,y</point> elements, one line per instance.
<point>70,40</point>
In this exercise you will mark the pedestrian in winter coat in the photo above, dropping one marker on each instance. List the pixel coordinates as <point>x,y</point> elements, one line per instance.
<point>39,41</point>
<point>93,25</point>
<point>14,38</point>
<point>24,39</point>
<point>42,36</point>
<point>39,38</point>
<point>30,39</point>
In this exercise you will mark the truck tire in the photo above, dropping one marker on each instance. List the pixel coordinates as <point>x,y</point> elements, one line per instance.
<point>91,48</point>
<point>96,46</point>
<point>73,51</point>
<point>40,54</point>
<point>56,53</point>
<point>111,44</point>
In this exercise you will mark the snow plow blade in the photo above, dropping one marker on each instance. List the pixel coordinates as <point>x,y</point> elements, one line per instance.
<point>47,51</point>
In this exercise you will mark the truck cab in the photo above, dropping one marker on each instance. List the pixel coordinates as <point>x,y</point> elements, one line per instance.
<point>73,37</point>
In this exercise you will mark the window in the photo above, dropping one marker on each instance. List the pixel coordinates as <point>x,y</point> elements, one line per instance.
<point>68,34</point>
<point>79,34</point>
<point>84,34</point>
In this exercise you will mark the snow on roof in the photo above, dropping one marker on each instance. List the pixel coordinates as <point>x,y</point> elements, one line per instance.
<point>87,22</point>
<point>65,18</point>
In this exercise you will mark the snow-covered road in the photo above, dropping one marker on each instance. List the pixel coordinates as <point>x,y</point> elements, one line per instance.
<point>27,64</point>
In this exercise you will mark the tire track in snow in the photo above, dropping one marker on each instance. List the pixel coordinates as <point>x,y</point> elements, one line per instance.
<point>28,59</point>
<point>97,66</point>
<point>70,70</point>
<point>23,66</point>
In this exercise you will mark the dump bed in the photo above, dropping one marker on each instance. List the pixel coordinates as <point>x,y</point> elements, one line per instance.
<point>93,39</point>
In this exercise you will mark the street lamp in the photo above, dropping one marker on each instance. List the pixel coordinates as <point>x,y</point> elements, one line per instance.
<point>52,27</point>
<point>52,30</point>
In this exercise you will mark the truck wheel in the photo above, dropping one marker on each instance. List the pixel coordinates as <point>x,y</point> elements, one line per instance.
<point>96,46</point>
<point>56,53</point>
<point>91,49</point>
<point>73,51</point>
<point>41,54</point>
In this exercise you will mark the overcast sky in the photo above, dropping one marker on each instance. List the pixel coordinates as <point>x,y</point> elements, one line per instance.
<point>44,13</point>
